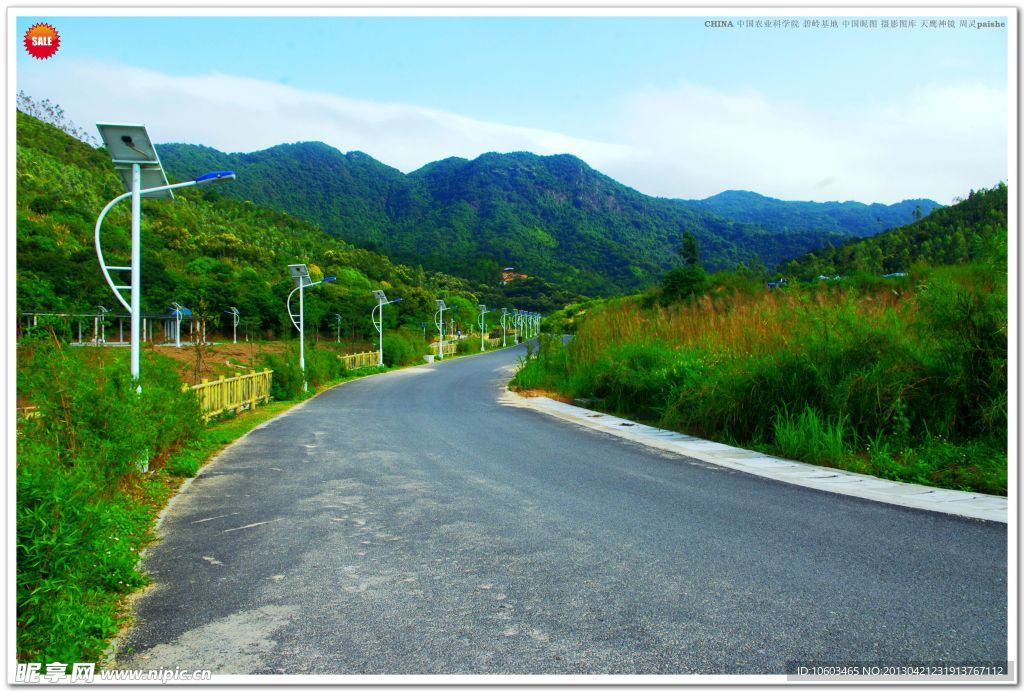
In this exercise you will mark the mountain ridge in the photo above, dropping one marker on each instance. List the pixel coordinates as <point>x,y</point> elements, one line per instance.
<point>553,216</point>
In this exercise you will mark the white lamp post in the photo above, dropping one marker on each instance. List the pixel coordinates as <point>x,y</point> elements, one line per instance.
<point>235,316</point>
<point>300,272</point>
<point>439,322</point>
<point>178,310</point>
<point>377,317</point>
<point>504,315</point>
<point>137,163</point>
<point>337,318</point>
<point>99,329</point>
<point>483,311</point>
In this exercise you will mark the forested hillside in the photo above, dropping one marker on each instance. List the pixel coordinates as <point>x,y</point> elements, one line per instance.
<point>832,219</point>
<point>952,235</point>
<point>204,249</point>
<point>549,216</point>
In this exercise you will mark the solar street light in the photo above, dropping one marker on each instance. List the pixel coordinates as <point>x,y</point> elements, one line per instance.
<point>300,272</point>
<point>377,317</point>
<point>439,322</point>
<point>235,316</point>
<point>99,329</point>
<point>483,311</point>
<point>136,162</point>
<point>337,318</point>
<point>178,311</point>
<point>504,315</point>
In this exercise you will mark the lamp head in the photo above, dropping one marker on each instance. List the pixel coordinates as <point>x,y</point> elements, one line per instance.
<point>216,176</point>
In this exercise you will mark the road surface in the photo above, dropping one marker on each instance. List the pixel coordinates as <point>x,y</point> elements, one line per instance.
<point>408,523</point>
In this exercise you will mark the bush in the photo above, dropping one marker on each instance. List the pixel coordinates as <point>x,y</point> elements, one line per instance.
<point>286,384</point>
<point>403,348</point>
<point>82,500</point>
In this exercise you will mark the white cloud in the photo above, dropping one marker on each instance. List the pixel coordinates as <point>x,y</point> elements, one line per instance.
<point>242,114</point>
<point>689,141</point>
<point>936,142</point>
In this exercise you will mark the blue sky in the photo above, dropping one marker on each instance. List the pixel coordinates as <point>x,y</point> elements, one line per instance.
<point>662,103</point>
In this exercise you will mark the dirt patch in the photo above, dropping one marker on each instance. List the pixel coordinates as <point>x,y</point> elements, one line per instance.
<point>231,359</point>
<point>533,393</point>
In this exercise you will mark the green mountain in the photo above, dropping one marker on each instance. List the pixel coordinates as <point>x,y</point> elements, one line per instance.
<point>207,250</point>
<point>850,219</point>
<point>553,217</point>
<point>951,235</point>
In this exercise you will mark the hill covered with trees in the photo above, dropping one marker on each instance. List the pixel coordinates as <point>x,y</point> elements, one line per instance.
<point>842,219</point>
<point>205,250</point>
<point>952,235</point>
<point>553,217</point>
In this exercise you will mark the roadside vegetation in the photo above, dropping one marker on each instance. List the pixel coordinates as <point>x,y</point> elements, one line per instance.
<point>96,463</point>
<point>902,377</point>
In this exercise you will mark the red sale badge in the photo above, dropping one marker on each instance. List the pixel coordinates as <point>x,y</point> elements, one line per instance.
<point>42,41</point>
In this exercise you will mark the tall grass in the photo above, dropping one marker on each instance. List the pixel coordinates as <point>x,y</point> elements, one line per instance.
<point>83,501</point>
<point>811,372</point>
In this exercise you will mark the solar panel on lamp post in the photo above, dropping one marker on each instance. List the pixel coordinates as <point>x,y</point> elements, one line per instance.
<point>300,272</point>
<point>136,161</point>
<point>378,321</point>
<point>439,322</point>
<point>233,311</point>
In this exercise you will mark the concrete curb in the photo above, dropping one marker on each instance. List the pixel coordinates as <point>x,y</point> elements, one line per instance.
<point>957,503</point>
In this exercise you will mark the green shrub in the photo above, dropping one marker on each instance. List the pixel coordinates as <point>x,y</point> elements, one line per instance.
<point>810,436</point>
<point>403,348</point>
<point>82,500</point>
<point>286,383</point>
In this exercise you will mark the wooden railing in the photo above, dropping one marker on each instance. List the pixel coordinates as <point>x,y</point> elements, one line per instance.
<point>358,360</point>
<point>237,393</point>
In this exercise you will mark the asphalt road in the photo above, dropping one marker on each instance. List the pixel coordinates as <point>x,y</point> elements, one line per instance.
<point>408,523</point>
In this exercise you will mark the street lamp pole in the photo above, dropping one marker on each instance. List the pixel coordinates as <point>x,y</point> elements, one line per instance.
<point>135,158</point>
<point>177,324</point>
<point>504,314</point>
<point>439,322</point>
<point>301,274</point>
<point>233,311</point>
<point>378,321</point>
<point>337,318</point>
<point>483,311</point>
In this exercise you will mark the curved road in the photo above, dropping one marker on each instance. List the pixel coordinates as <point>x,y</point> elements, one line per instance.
<point>408,523</point>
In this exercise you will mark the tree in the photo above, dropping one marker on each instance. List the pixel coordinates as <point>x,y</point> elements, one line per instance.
<point>690,251</point>
<point>689,279</point>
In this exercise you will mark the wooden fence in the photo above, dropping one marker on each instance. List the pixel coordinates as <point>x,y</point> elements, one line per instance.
<point>369,359</point>
<point>237,393</point>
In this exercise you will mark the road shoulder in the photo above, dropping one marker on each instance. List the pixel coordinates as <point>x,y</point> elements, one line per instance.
<point>955,502</point>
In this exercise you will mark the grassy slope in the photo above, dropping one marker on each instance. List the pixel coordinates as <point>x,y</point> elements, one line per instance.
<point>905,378</point>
